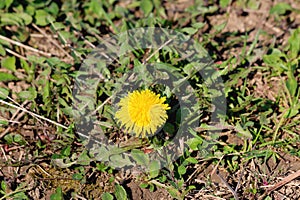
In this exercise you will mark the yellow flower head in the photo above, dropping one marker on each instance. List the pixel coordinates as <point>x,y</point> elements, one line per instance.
<point>142,112</point>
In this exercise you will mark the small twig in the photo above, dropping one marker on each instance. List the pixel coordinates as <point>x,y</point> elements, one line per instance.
<point>14,118</point>
<point>216,167</point>
<point>24,46</point>
<point>40,117</point>
<point>228,186</point>
<point>15,54</point>
<point>285,181</point>
<point>99,107</point>
<point>157,50</point>
<point>52,41</point>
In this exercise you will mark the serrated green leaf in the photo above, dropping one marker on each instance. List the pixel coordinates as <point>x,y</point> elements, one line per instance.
<point>9,63</point>
<point>83,159</point>
<point>66,151</point>
<point>140,157</point>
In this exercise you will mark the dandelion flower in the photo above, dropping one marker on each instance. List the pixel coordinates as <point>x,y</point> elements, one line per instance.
<point>142,112</point>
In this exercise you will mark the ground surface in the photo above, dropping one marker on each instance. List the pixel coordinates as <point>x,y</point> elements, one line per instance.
<point>255,46</point>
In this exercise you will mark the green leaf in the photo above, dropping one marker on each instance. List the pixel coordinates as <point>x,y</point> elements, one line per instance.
<point>189,30</point>
<point>3,93</point>
<point>83,159</point>
<point>8,3</point>
<point>2,51</point>
<point>31,94</point>
<point>291,84</point>
<point>58,195</point>
<point>140,157</point>
<point>154,168</point>
<point>294,44</point>
<point>120,193</point>
<point>224,3</point>
<point>118,161</point>
<point>280,8</point>
<point>9,138</point>
<point>6,77</point>
<point>146,6</point>
<point>192,160</point>
<point>77,176</point>
<point>26,18</point>
<point>3,186</point>
<point>19,139</point>
<point>9,63</point>
<point>107,196</point>
<point>66,151</point>
<point>20,196</point>
<point>3,122</point>
<point>181,169</point>
<point>41,17</point>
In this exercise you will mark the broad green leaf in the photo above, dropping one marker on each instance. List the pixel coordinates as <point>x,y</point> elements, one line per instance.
<point>27,19</point>
<point>294,44</point>
<point>120,193</point>
<point>5,77</point>
<point>8,3</point>
<point>3,186</point>
<point>41,17</point>
<point>181,169</point>
<point>83,159</point>
<point>292,84</point>
<point>224,3</point>
<point>280,8</point>
<point>3,122</point>
<point>58,195</point>
<point>31,94</point>
<point>107,196</point>
<point>77,176</point>
<point>9,63</point>
<point>119,161</point>
<point>19,139</point>
<point>146,6</point>
<point>9,138</point>
<point>192,160</point>
<point>189,30</point>
<point>154,168</point>
<point>2,51</point>
<point>3,93</point>
<point>140,157</point>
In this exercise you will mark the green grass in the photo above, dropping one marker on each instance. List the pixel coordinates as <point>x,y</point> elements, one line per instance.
<point>45,48</point>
